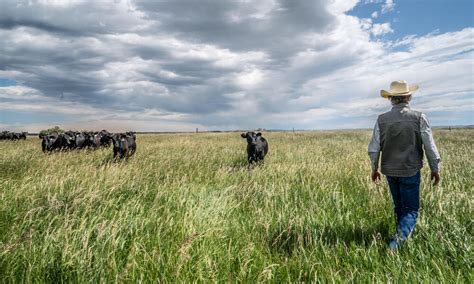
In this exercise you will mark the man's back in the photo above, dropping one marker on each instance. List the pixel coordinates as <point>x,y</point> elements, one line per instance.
<point>400,141</point>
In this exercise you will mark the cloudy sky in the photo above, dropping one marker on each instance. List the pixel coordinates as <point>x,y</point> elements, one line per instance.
<point>236,64</point>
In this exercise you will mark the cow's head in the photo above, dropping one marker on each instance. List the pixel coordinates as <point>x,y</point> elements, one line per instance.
<point>132,134</point>
<point>49,140</point>
<point>69,139</point>
<point>119,140</point>
<point>105,137</point>
<point>251,137</point>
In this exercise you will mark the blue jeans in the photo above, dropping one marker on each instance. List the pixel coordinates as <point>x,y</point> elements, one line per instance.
<point>406,199</point>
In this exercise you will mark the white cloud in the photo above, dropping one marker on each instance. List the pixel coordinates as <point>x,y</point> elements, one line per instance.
<point>250,78</point>
<point>341,6</point>
<point>366,23</point>
<point>18,92</point>
<point>169,65</point>
<point>388,6</point>
<point>375,14</point>
<point>440,64</point>
<point>381,29</point>
<point>372,1</point>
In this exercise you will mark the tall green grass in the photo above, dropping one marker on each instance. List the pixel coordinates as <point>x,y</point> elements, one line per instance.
<point>186,208</point>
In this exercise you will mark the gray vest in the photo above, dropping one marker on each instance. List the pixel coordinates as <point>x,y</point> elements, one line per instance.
<point>400,141</point>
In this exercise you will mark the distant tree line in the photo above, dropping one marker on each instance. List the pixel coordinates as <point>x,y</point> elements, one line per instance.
<point>49,131</point>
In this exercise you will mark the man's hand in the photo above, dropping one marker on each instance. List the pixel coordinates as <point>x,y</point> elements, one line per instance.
<point>436,178</point>
<point>375,176</point>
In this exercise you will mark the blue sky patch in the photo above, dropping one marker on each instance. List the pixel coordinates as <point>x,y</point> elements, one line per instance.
<point>7,82</point>
<point>20,117</point>
<point>420,17</point>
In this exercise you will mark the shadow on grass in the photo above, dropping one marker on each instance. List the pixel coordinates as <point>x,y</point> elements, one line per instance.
<point>235,165</point>
<point>57,271</point>
<point>287,240</point>
<point>109,160</point>
<point>241,163</point>
<point>15,169</point>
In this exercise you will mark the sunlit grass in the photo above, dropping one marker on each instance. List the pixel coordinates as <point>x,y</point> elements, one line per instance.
<point>186,208</point>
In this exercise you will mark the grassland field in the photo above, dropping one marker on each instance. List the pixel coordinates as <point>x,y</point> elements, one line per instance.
<point>185,208</point>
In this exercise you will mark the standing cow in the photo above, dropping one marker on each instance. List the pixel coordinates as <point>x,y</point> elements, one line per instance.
<point>81,140</point>
<point>124,145</point>
<point>105,138</point>
<point>49,142</point>
<point>57,141</point>
<point>23,135</point>
<point>94,140</point>
<point>257,147</point>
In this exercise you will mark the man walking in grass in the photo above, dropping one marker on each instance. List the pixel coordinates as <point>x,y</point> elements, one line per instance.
<point>401,134</point>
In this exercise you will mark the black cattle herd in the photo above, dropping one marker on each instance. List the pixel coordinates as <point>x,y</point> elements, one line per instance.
<point>124,144</point>
<point>7,135</point>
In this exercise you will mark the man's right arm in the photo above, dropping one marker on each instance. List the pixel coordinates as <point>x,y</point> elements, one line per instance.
<point>374,152</point>
<point>374,147</point>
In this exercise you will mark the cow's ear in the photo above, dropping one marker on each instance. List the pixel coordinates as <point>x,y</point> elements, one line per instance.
<point>244,135</point>
<point>259,134</point>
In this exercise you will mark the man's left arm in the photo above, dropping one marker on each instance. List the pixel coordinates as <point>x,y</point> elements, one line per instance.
<point>431,150</point>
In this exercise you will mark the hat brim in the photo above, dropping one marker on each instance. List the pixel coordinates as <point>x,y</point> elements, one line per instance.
<point>411,90</point>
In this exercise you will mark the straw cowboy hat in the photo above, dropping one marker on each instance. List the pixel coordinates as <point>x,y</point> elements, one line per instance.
<point>399,88</point>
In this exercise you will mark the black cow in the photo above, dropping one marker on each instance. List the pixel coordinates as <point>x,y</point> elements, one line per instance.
<point>257,146</point>
<point>57,141</point>
<point>105,138</point>
<point>23,135</point>
<point>94,140</point>
<point>124,145</point>
<point>68,140</point>
<point>81,140</point>
<point>50,142</point>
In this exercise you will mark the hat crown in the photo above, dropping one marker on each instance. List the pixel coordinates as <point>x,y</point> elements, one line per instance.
<point>399,87</point>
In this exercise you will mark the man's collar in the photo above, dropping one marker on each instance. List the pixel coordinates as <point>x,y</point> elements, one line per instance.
<point>402,105</point>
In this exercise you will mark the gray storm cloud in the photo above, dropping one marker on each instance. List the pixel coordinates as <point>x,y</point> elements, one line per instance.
<point>215,64</point>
